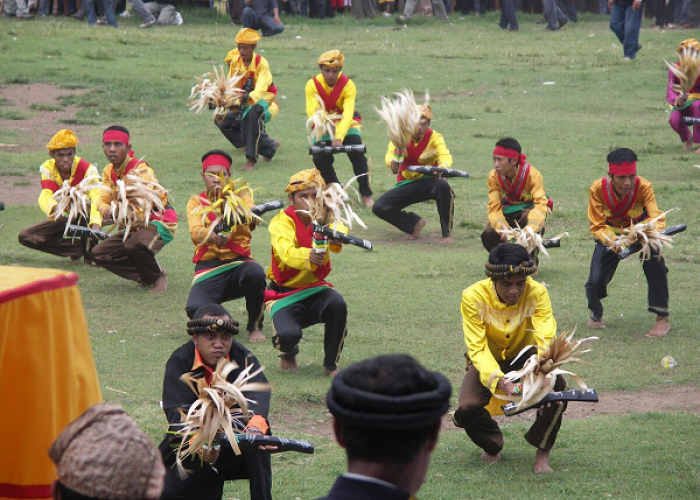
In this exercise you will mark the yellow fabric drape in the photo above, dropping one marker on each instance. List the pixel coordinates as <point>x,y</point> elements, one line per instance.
<point>47,373</point>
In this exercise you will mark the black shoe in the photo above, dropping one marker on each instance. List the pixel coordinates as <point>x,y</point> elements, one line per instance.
<point>561,25</point>
<point>550,28</point>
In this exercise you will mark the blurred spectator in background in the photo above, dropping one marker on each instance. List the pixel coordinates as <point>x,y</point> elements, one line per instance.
<point>663,14</point>
<point>438,10</point>
<point>625,21</point>
<point>166,14</point>
<point>364,8</point>
<point>263,15</point>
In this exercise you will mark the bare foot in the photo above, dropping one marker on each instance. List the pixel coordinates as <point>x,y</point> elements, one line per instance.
<point>287,365</point>
<point>596,325</point>
<point>331,373</point>
<point>688,144</point>
<point>492,459</point>
<point>542,462</point>
<point>661,328</point>
<point>416,230</point>
<point>368,201</point>
<point>249,164</point>
<point>447,239</point>
<point>256,336</point>
<point>161,283</point>
<point>75,260</point>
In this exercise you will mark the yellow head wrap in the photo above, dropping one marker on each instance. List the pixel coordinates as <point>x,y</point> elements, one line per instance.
<point>64,138</point>
<point>248,36</point>
<point>426,112</point>
<point>332,59</point>
<point>306,179</point>
<point>689,43</point>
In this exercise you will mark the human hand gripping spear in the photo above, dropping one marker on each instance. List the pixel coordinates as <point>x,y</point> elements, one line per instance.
<point>135,200</point>
<point>331,206</point>
<point>216,92</point>
<point>535,380</point>
<point>530,239</point>
<point>644,237</point>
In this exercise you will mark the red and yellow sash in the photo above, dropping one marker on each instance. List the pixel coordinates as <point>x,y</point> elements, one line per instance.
<point>78,177</point>
<point>413,152</point>
<point>619,209</point>
<point>331,100</point>
<point>514,190</point>
<point>234,247</point>
<point>304,235</point>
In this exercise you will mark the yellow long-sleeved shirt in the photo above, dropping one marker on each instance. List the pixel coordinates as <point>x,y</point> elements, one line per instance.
<point>495,331</point>
<point>604,227</point>
<point>532,193</point>
<point>435,152</point>
<point>199,227</point>
<point>168,220</point>
<point>260,70</point>
<point>288,253</point>
<point>49,172</point>
<point>345,104</point>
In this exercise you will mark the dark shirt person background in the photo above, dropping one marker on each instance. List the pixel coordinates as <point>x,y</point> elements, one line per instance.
<point>262,15</point>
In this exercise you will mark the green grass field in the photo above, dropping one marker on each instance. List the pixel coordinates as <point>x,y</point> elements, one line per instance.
<point>566,96</point>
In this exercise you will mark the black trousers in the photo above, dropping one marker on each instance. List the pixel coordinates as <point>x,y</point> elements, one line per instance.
<point>205,483</point>
<point>249,133</point>
<point>327,307</point>
<point>603,266</point>
<point>324,164</point>
<point>509,19</point>
<point>390,206</point>
<point>245,280</point>
<point>483,430</point>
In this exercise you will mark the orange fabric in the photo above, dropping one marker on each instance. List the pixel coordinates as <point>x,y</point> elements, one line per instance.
<point>258,422</point>
<point>47,373</point>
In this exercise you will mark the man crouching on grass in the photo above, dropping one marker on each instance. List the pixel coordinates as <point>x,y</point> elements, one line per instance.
<point>500,316</point>
<point>212,332</point>
<point>133,258</point>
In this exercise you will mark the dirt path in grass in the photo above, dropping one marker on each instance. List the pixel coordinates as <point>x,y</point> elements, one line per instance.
<point>673,399</point>
<point>40,106</point>
<point>42,110</point>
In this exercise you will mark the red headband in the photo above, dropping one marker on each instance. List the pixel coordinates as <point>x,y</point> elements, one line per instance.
<point>216,160</point>
<point>624,168</point>
<point>115,135</point>
<point>509,153</point>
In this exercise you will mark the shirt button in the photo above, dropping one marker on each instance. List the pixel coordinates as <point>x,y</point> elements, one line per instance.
<point>507,321</point>
<point>508,336</point>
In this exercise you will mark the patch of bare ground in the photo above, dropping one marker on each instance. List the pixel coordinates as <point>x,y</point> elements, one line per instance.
<point>44,112</point>
<point>673,399</point>
<point>19,189</point>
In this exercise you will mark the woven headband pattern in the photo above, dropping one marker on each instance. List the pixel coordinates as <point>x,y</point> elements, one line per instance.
<point>496,271</point>
<point>215,325</point>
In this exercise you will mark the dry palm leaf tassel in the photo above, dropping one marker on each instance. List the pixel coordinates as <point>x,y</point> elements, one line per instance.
<point>135,200</point>
<point>528,238</point>
<point>216,91</point>
<point>687,70</point>
<point>332,204</point>
<point>647,234</point>
<point>227,205</point>
<point>546,366</point>
<point>401,116</point>
<point>221,407</point>
<point>321,122</point>
<point>73,202</point>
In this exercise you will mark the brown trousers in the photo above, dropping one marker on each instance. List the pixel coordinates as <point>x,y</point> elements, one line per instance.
<point>483,430</point>
<point>47,236</point>
<point>131,259</point>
